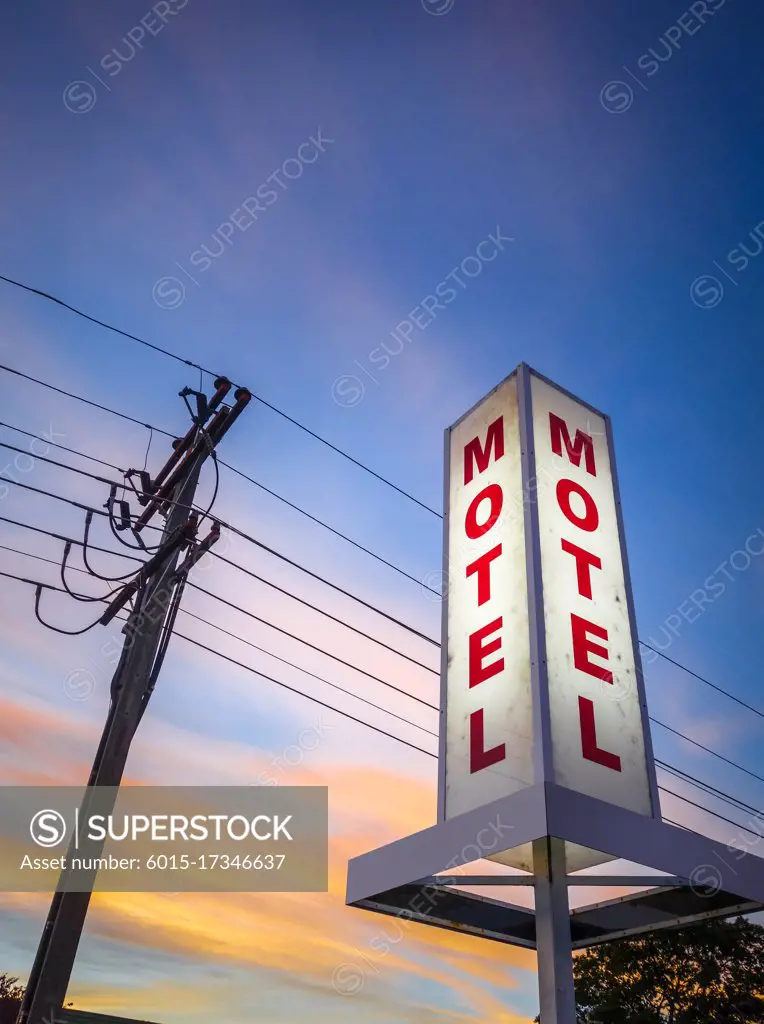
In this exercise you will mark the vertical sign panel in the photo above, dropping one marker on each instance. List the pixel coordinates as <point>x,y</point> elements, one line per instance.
<point>486,723</point>
<point>598,724</point>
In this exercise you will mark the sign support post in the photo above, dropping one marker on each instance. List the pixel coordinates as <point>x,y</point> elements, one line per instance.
<point>555,954</point>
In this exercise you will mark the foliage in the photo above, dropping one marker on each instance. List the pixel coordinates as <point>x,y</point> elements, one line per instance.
<point>711,972</point>
<point>9,987</point>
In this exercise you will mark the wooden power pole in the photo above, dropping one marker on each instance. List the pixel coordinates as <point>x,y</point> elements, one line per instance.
<point>155,592</point>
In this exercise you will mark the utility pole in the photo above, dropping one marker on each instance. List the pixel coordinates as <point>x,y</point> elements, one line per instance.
<point>156,594</point>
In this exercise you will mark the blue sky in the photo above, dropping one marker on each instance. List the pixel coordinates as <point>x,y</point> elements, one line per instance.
<point>617,146</point>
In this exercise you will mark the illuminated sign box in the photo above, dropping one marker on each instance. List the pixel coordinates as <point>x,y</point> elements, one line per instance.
<point>541,678</point>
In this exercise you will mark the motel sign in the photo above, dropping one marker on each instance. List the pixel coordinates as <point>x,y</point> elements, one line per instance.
<point>545,762</point>
<point>546,454</point>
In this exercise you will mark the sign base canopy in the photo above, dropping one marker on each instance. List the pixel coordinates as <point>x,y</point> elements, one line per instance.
<point>705,879</point>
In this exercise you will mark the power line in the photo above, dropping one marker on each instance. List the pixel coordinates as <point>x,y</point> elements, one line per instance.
<point>330,707</point>
<point>248,668</point>
<point>708,789</point>
<point>708,682</point>
<point>71,540</point>
<point>708,750</point>
<point>243,611</point>
<point>63,447</point>
<point>307,643</point>
<point>239,472</point>
<point>61,465</point>
<point>72,502</point>
<point>331,529</point>
<point>380,558</point>
<point>321,679</point>
<point>85,401</point>
<point>202,369</point>
<point>252,540</point>
<point>241,639</point>
<point>321,579</point>
<point>245,536</point>
<point>707,810</point>
<point>279,682</point>
<point>322,611</point>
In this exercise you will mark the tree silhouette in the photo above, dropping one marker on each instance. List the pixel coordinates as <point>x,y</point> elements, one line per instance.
<point>709,973</point>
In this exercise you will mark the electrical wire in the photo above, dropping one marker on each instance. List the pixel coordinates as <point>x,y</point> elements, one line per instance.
<point>330,707</point>
<point>86,401</point>
<point>306,643</point>
<point>263,675</point>
<point>63,447</point>
<point>328,615</point>
<point>67,501</point>
<point>264,547</point>
<point>708,789</point>
<point>70,540</point>
<point>82,544</point>
<point>62,465</point>
<point>88,566</point>
<point>321,579</point>
<point>320,679</point>
<point>708,682</point>
<point>244,611</point>
<point>245,476</point>
<point>708,750</point>
<point>188,362</point>
<point>700,807</point>
<point>331,529</point>
<point>249,643</point>
<point>39,587</point>
<point>423,636</point>
<point>70,592</point>
<point>105,480</point>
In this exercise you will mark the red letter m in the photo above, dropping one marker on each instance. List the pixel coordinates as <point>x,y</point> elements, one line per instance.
<point>582,445</point>
<point>474,453</point>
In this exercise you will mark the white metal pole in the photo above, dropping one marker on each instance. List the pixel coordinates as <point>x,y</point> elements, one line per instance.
<point>553,944</point>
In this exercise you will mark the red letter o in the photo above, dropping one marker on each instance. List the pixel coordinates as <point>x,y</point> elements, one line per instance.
<point>591,518</point>
<point>495,495</point>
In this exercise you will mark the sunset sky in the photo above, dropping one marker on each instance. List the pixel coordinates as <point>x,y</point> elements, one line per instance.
<point>615,153</point>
